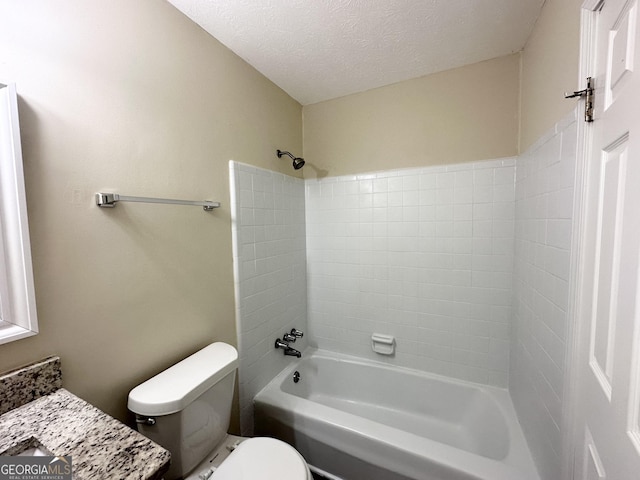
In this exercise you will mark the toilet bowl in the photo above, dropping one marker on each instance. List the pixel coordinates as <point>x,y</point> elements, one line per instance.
<point>187,410</point>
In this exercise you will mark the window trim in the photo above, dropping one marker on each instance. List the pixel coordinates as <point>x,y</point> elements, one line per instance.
<point>18,316</point>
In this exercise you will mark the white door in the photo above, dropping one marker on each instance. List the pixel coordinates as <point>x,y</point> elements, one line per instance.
<point>608,446</point>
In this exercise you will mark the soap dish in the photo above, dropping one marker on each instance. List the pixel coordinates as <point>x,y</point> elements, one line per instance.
<point>383,344</point>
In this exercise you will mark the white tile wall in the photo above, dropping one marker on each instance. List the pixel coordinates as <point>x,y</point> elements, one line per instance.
<point>426,255</point>
<point>268,224</point>
<point>544,205</point>
<point>423,254</point>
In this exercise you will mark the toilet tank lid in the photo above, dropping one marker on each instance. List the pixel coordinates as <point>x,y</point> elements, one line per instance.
<point>176,387</point>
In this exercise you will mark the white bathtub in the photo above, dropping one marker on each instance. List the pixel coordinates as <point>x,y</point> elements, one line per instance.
<point>358,419</point>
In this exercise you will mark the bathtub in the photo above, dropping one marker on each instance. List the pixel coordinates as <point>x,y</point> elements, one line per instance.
<point>358,419</point>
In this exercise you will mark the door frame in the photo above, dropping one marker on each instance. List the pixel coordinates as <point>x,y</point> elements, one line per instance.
<point>579,286</point>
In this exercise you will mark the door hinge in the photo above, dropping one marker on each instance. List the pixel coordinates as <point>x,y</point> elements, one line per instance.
<point>588,94</point>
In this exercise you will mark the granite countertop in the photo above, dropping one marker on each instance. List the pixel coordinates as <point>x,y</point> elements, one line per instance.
<point>100,446</point>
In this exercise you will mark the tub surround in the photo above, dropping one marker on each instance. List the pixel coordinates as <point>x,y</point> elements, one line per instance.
<point>467,266</point>
<point>25,384</point>
<point>544,226</point>
<point>269,259</point>
<point>422,254</point>
<point>40,413</point>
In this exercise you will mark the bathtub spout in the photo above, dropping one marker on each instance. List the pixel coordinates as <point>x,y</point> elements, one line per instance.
<point>287,349</point>
<point>292,352</point>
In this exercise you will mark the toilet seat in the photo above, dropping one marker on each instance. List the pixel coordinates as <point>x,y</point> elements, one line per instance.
<point>265,459</point>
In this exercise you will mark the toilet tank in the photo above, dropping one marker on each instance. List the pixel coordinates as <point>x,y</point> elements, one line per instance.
<point>189,405</point>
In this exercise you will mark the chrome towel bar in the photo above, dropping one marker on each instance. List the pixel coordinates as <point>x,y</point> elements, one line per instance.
<point>109,200</point>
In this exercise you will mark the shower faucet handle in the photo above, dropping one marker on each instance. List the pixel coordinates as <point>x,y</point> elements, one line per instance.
<point>287,337</point>
<point>296,333</point>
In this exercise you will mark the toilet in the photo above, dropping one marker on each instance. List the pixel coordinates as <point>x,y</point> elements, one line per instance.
<point>187,409</point>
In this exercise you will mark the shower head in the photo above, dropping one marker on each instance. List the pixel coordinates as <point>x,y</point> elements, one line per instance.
<point>298,162</point>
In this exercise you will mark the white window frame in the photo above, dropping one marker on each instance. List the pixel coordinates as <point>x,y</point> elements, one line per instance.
<point>18,317</point>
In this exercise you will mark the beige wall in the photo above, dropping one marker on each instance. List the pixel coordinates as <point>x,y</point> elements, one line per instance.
<point>131,97</point>
<point>549,68</point>
<point>469,113</point>
<point>465,114</point>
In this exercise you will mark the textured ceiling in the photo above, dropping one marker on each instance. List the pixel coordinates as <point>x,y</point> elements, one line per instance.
<point>316,50</point>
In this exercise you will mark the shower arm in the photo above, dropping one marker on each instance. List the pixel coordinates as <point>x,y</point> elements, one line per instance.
<point>281,153</point>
